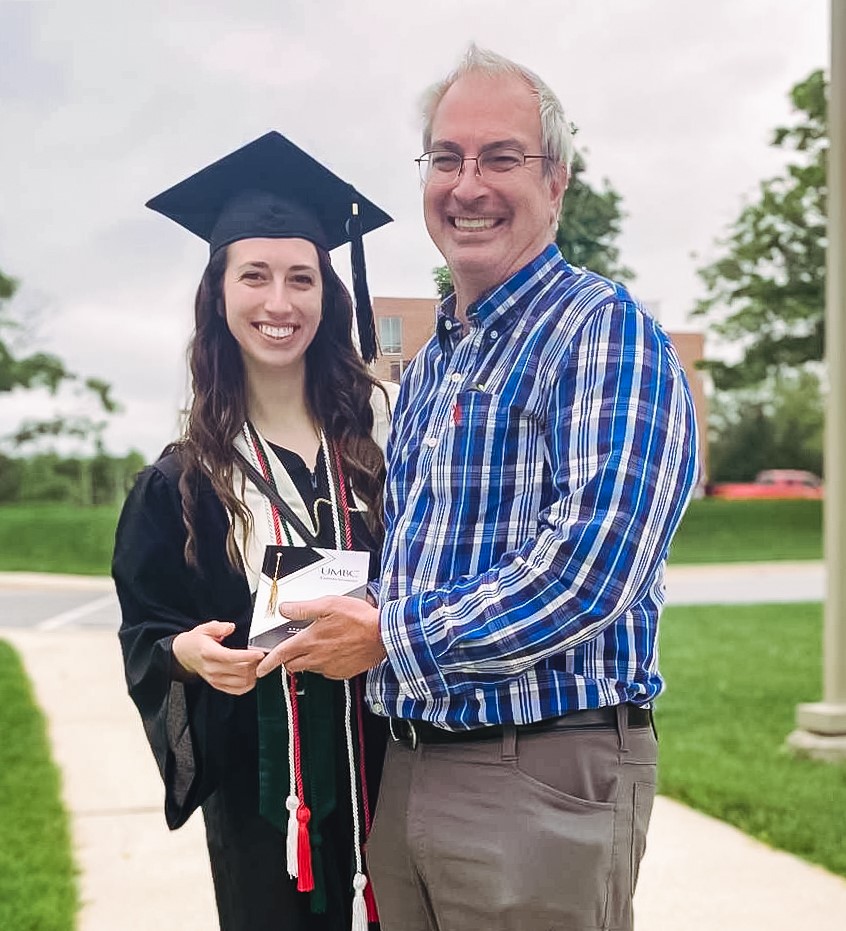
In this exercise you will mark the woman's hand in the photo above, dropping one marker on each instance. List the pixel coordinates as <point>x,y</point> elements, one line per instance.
<point>200,651</point>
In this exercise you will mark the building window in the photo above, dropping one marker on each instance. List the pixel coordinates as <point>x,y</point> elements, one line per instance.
<point>390,334</point>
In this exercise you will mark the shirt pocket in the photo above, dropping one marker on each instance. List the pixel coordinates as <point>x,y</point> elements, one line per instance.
<point>492,455</point>
<point>486,427</point>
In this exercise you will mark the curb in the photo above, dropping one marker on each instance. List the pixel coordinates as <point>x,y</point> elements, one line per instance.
<point>42,580</point>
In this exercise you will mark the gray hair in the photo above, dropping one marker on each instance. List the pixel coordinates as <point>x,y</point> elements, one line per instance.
<point>556,134</point>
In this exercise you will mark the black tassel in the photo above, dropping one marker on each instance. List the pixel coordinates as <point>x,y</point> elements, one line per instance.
<point>363,308</point>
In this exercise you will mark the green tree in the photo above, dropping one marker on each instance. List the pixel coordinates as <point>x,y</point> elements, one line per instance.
<point>776,424</point>
<point>443,281</point>
<point>21,369</point>
<point>37,369</point>
<point>589,225</point>
<point>11,473</point>
<point>766,293</point>
<point>79,480</point>
<point>48,477</point>
<point>588,228</point>
<point>53,477</point>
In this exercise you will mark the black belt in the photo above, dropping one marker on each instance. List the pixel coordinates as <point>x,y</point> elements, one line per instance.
<point>414,732</point>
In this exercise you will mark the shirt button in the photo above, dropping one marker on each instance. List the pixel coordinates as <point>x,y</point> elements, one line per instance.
<point>447,324</point>
<point>430,441</point>
<point>494,335</point>
<point>378,707</point>
<point>456,376</point>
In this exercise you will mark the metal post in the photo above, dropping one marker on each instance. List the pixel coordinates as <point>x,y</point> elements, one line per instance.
<point>821,726</point>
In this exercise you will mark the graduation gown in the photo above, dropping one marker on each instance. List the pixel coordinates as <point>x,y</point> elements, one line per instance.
<point>206,743</point>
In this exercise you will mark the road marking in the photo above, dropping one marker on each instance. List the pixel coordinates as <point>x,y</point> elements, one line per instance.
<point>76,614</point>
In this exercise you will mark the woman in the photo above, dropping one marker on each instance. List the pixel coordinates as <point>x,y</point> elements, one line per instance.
<point>279,393</point>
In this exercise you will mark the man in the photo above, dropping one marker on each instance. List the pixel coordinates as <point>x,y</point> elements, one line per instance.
<point>543,450</point>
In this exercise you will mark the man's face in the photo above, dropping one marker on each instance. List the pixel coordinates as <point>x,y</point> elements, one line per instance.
<point>489,227</point>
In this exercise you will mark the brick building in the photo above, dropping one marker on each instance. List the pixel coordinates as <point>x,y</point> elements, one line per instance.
<point>403,324</point>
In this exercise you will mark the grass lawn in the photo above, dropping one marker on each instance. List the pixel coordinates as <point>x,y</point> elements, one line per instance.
<point>734,677</point>
<point>56,538</point>
<point>64,538</point>
<point>714,531</point>
<point>37,877</point>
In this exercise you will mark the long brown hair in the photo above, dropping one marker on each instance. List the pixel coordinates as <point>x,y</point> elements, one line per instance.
<point>338,393</point>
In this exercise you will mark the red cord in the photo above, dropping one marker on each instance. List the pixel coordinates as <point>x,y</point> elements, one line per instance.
<point>345,508</point>
<point>369,898</point>
<point>265,471</point>
<point>362,769</point>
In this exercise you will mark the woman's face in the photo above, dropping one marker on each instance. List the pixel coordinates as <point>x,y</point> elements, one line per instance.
<point>273,294</point>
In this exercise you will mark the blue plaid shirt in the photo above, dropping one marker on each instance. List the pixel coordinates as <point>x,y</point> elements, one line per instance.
<point>537,469</point>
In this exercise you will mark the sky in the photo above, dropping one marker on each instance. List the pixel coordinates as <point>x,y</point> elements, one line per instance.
<point>104,104</point>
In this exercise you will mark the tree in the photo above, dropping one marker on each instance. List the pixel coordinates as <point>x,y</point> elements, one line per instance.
<point>41,476</point>
<point>587,229</point>
<point>443,281</point>
<point>36,370</point>
<point>766,293</point>
<point>45,370</point>
<point>590,224</point>
<point>777,424</point>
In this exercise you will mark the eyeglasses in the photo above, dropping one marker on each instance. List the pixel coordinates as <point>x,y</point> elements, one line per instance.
<point>444,167</point>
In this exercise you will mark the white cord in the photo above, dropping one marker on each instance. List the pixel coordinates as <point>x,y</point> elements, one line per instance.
<point>292,802</point>
<point>333,492</point>
<point>359,906</point>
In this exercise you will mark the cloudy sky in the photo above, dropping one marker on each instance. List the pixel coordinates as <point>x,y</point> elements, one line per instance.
<point>103,104</point>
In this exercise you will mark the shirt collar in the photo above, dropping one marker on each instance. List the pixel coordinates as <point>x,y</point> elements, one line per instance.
<point>502,303</point>
<point>449,328</point>
<point>536,273</point>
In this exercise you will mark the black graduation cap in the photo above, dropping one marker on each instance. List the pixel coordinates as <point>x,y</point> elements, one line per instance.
<point>271,189</point>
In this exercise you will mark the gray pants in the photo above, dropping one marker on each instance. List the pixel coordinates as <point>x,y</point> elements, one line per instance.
<point>539,831</point>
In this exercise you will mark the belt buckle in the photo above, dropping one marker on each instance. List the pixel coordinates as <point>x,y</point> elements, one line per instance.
<point>410,737</point>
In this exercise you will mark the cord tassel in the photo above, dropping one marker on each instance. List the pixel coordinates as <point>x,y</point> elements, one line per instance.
<point>274,589</point>
<point>305,876</point>
<point>363,307</point>
<point>292,803</point>
<point>359,907</point>
<point>370,902</point>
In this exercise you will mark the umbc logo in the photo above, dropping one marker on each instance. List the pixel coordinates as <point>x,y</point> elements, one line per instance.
<point>328,572</point>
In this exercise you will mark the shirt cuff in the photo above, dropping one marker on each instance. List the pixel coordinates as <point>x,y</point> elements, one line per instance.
<point>409,653</point>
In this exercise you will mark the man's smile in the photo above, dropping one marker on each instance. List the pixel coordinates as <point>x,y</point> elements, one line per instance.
<point>474,223</point>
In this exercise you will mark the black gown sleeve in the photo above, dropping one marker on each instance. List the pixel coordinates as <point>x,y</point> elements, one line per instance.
<point>188,723</point>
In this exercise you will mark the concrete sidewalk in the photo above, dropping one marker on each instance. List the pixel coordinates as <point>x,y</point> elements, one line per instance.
<point>698,873</point>
<point>134,874</point>
<point>745,583</point>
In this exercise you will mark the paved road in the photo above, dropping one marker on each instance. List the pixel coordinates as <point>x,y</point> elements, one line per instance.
<point>52,602</point>
<point>29,600</point>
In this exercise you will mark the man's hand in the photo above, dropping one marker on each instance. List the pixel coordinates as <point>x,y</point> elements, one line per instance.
<point>200,651</point>
<point>342,640</point>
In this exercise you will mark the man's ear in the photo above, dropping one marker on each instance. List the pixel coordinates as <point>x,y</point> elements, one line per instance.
<point>558,184</point>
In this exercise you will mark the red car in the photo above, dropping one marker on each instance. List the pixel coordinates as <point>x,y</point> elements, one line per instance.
<point>773,483</point>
